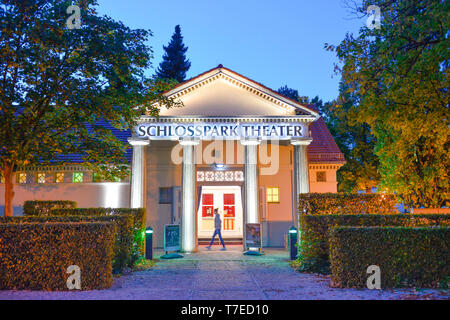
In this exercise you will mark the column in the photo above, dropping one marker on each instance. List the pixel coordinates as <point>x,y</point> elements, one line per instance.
<point>251,180</point>
<point>188,223</point>
<point>301,172</point>
<point>138,172</point>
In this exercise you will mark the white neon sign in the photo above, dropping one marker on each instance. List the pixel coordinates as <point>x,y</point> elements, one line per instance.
<point>224,131</point>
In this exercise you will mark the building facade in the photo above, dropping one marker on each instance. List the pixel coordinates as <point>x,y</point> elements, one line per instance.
<point>235,145</point>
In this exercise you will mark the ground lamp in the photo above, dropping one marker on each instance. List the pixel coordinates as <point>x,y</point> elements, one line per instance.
<point>149,243</point>
<point>293,243</point>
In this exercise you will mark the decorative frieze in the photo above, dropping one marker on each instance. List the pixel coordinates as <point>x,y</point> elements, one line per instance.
<point>220,176</point>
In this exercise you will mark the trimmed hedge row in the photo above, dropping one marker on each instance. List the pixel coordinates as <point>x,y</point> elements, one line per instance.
<point>138,229</point>
<point>43,207</point>
<point>315,230</point>
<point>36,255</point>
<point>340,203</point>
<point>418,257</point>
<point>124,238</point>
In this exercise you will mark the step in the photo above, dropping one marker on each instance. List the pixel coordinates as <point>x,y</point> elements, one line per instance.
<point>205,241</point>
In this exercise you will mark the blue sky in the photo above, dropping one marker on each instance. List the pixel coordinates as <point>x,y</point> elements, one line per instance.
<point>275,42</point>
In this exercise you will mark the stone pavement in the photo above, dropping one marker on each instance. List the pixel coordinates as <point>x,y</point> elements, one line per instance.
<point>225,275</point>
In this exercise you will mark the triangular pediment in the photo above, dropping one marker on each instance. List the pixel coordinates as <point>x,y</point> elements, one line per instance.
<point>222,92</point>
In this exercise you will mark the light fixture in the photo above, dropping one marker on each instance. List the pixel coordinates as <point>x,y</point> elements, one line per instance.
<point>219,165</point>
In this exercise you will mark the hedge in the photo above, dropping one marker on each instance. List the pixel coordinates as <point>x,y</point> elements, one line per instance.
<point>123,246</point>
<point>138,214</point>
<point>314,251</point>
<point>340,203</point>
<point>36,255</point>
<point>418,257</point>
<point>43,208</point>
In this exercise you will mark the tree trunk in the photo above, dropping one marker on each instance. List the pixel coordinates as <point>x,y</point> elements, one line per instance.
<point>9,189</point>
<point>369,190</point>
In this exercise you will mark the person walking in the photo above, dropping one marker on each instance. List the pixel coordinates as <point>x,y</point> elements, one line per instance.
<point>217,227</point>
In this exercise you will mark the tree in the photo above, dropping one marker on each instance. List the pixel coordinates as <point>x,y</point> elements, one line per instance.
<point>174,64</point>
<point>400,75</point>
<point>355,141</point>
<point>292,94</point>
<point>56,84</point>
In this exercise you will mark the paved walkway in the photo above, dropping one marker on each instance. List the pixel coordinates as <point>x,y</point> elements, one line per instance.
<point>225,275</point>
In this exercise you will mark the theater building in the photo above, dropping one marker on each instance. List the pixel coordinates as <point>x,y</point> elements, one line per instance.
<point>235,145</point>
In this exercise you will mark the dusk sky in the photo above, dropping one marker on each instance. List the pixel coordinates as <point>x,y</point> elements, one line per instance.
<point>272,42</point>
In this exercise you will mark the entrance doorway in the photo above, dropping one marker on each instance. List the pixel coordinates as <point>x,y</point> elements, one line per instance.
<point>228,200</point>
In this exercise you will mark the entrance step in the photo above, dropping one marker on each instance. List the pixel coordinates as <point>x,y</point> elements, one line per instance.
<point>228,241</point>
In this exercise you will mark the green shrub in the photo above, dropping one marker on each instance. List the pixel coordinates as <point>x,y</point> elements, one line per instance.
<point>418,257</point>
<point>43,208</point>
<point>339,203</point>
<point>138,228</point>
<point>36,255</point>
<point>123,245</point>
<point>314,251</point>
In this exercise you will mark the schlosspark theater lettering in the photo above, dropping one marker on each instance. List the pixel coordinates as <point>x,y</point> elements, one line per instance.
<point>221,131</point>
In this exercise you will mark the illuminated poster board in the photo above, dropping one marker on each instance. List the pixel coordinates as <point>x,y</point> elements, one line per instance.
<point>253,237</point>
<point>172,237</point>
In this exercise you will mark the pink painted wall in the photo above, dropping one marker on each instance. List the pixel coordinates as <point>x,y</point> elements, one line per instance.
<point>111,194</point>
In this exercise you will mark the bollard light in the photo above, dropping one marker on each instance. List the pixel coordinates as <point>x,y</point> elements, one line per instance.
<point>149,243</point>
<point>293,243</point>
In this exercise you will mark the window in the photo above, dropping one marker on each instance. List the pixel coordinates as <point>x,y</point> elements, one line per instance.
<point>2,178</point>
<point>59,178</point>
<point>273,195</point>
<point>98,177</point>
<point>165,195</point>
<point>321,176</point>
<point>207,205</point>
<point>40,178</point>
<point>22,178</point>
<point>228,205</point>
<point>77,177</point>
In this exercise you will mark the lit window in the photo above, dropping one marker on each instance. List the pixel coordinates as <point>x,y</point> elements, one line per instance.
<point>96,177</point>
<point>219,176</point>
<point>40,178</point>
<point>77,177</point>
<point>229,176</point>
<point>273,195</point>
<point>209,176</point>
<point>200,176</point>
<point>59,177</point>
<point>239,175</point>
<point>22,178</point>
<point>321,176</point>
